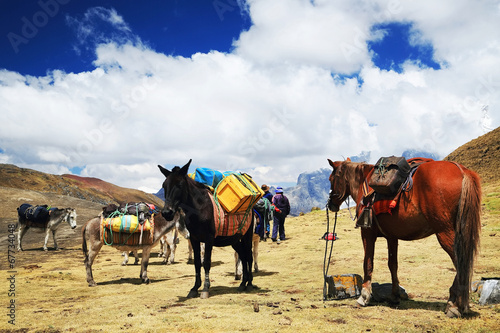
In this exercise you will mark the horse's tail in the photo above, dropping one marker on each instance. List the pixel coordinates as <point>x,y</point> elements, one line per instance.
<point>84,242</point>
<point>467,234</point>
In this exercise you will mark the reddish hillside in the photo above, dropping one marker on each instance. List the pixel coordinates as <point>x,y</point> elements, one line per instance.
<point>87,188</point>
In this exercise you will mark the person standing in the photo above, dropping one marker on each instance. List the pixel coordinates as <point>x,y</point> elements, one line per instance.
<point>267,195</point>
<point>283,209</point>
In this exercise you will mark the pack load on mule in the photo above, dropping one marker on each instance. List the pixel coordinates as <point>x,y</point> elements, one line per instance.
<point>36,216</point>
<point>236,192</point>
<point>233,195</point>
<point>127,224</point>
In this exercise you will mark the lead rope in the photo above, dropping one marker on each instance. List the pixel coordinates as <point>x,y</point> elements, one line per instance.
<point>326,263</point>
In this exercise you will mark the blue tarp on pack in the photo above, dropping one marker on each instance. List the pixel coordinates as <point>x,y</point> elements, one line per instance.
<point>207,176</point>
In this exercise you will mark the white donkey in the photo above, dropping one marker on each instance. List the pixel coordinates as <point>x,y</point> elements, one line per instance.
<point>55,219</point>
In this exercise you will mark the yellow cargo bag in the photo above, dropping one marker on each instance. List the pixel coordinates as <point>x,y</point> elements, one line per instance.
<point>126,224</point>
<point>238,192</point>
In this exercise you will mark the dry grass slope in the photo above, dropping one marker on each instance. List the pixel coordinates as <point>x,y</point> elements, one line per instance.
<point>481,155</point>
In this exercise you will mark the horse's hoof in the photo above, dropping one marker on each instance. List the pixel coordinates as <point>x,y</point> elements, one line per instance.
<point>124,263</point>
<point>452,311</point>
<point>192,294</point>
<point>237,277</point>
<point>242,287</point>
<point>92,284</point>
<point>146,281</point>
<point>45,249</point>
<point>361,301</point>
<point>204,295</point>
<point>249,288</point>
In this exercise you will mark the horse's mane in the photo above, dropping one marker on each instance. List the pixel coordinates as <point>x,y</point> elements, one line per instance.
<point>357,170</point>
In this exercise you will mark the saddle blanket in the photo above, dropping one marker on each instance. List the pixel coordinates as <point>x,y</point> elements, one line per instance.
<point>230,224</point>
<point>119,238</point>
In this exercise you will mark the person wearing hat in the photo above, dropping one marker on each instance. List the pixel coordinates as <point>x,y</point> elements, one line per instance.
<point>283,209</point>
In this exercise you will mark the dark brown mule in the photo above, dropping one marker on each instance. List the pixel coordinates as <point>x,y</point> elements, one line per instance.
<point>184,194</point>
<point>91,232</point>
<point>445,201</point>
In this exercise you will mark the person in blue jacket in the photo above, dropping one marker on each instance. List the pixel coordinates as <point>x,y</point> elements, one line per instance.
<point>280,201</point>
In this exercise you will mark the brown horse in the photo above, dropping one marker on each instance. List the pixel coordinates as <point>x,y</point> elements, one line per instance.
<point>445,200</point>
<point>91,232</point>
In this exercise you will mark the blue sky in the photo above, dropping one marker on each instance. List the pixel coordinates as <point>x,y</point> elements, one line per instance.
<point>270,87</point>
<point>44,37</point>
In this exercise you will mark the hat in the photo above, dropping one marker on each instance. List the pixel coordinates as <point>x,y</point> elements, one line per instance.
<point>264,187</point>
<point>279,189</point>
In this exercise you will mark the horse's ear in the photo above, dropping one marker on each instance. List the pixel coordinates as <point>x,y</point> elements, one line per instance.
<point>348,159</point>
<point>184,169</point>
<point>331,163</point>
<point>164,171</point>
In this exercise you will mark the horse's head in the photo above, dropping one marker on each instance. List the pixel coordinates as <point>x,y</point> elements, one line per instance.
<point>339,188</point>
<point>71,217</point>
<point>176,189</point>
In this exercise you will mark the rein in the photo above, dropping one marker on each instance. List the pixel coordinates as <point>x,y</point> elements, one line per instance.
<point>326,263</point>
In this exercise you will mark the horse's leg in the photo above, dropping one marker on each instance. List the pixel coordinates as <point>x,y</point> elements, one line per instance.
<point>47,234</point>
<point>195,245</point>
<point>162,248</point>
<point>207,262</point>
<point>392,245</point>
<point>171,249</point>
<point>446,240</point>
<point>255,251</point>
<point>22,231</point>
<point>54,239</point>
<point>144,263</point>
<point>136,257</point>
<point>238,266</point>
<point>190,251</point>
<point>95,247</point>
<point>125,259</point>
<point>369,237</point>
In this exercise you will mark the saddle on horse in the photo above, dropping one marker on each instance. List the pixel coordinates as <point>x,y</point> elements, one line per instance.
<point>383,186</point>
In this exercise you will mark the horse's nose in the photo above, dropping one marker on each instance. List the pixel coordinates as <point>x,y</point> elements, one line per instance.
<point>168,214</point>
<point>73,227</point>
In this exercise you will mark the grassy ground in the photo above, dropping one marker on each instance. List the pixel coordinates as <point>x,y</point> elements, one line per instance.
<point>51,293</point>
